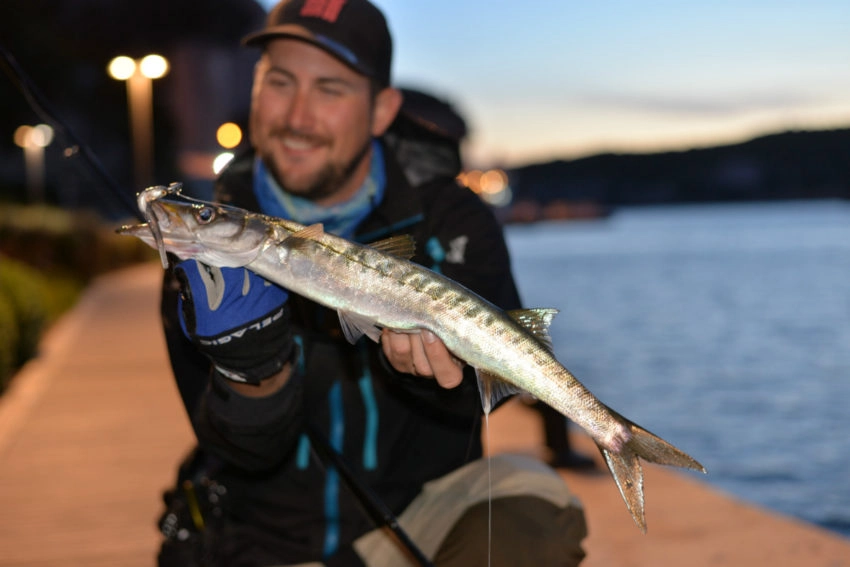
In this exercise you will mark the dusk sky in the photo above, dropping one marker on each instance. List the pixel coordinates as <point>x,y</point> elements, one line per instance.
<point>539,79</point>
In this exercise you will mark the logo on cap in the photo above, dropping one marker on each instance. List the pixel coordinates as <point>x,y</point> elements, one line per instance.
<point>327,10</point>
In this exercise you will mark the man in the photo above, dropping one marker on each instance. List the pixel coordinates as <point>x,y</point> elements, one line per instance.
<point>269,381</point>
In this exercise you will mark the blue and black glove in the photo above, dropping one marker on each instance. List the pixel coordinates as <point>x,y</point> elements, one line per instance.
<point>236,319</point>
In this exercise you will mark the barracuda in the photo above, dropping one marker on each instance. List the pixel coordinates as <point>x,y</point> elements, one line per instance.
<point>375,287</point>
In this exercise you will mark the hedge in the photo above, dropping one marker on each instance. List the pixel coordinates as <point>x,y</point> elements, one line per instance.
<point>47,256</point>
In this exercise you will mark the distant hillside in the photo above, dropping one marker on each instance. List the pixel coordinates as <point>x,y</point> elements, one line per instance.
<point>790,165</point>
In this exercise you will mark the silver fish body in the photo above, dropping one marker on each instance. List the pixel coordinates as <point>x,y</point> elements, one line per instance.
<point>375,287</point>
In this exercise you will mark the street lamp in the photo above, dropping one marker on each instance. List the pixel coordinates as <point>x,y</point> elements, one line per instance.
<point>139,76</point>
<point>33,140</point>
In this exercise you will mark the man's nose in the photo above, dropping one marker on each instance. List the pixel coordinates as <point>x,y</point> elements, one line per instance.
<point>300,115</point>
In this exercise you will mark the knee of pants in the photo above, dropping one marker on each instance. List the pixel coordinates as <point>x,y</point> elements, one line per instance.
<point>515,531</point>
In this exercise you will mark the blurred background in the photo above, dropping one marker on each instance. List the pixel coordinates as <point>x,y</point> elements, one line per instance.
<point>607,103</point>
<point>699,151</point>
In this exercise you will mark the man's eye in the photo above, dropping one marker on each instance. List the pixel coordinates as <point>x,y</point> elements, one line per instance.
<point>278,81</point>
<point>331,91</point>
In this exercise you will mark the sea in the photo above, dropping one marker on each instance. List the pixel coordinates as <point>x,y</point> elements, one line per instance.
<point>724,328</point>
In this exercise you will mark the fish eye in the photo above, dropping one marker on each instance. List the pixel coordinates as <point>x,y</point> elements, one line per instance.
<point>205,214</point>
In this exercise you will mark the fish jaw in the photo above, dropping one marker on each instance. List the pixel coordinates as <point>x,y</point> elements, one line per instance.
<point>182,248</point>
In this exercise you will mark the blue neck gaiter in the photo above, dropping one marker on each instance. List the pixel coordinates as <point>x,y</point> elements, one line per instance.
<point>340,219</point>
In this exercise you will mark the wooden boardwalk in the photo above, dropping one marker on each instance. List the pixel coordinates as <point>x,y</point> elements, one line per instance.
<point>92,430</point>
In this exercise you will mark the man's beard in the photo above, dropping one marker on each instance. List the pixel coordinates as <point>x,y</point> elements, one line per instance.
<point>327,181</point>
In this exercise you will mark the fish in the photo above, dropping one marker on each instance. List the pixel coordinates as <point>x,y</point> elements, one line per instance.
<point>376,286</point>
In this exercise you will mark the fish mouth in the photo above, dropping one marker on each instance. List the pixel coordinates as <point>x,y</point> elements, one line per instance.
<point>185,227</point>
<point>179,246</point>
<point>164,230</point>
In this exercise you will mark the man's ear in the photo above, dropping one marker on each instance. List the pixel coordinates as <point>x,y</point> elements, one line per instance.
<point>387,104</point>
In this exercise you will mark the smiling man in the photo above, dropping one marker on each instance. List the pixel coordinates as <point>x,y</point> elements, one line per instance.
<point>405,415</point>
<point>313,119</point>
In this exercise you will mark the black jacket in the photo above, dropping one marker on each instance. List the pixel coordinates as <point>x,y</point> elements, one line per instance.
<point>395,431</point>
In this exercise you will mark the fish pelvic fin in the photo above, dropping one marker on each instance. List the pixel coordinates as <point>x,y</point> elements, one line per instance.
<point>493,389</point>
<point>626,469</point>
<point>355,326</point>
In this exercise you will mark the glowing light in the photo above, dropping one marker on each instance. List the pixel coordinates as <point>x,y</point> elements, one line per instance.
<point>38,136</point>
<point>42,135</point>
<point>139,78</point>
<point>500,199</point>
<point>492,185</point>
<point>22,136</point>
<point>153,66</point>
<point>493,181</point>
<point>121,68</point>
<point>472,179</point>
<point>228,135</point>
<point>221,161</point>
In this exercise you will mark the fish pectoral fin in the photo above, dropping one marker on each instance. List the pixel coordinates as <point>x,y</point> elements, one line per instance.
<point>493,390</point>
<point>355,326</point>
<point>537,322</point>
<point>401,246</point>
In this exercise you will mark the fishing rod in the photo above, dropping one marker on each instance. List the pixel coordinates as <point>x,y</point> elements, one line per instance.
<point>374,507</point>
<point>74,146</point>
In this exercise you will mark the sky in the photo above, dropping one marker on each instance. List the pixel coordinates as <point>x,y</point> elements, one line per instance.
<point>548,79</point>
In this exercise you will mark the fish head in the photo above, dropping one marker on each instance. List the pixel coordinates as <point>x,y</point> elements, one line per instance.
<point>212,233</point>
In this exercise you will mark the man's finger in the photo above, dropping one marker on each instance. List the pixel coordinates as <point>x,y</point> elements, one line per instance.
<point>445,368</point>
<point>399,350</point>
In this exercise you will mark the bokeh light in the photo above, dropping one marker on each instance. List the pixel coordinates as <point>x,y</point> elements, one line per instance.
<point>121,68</point>
<point>153,66</point>
<point>228,135</point>
<point>38,136</point>
<point>221,161</point>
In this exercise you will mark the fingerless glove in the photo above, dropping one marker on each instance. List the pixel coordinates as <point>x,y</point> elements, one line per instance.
<point>235,318</point>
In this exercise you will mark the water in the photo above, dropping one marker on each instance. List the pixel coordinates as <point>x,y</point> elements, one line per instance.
<point>723,328</point>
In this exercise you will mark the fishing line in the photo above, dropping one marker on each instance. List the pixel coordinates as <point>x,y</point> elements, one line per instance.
<point>145,197</point>
<point>74,146</point>
<point>489,491</point>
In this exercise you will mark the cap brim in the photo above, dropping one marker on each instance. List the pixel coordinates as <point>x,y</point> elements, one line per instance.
<point>287,30</point>
<point>294,31</point>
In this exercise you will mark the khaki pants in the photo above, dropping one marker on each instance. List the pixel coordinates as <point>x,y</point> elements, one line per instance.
<point>510,511</point>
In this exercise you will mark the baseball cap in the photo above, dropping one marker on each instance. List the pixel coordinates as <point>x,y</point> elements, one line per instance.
<point>353,31</point>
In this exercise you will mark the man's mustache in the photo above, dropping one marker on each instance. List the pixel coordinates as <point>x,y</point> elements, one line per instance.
<point>289,132</point>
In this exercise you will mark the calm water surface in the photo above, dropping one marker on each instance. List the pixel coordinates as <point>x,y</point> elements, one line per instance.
<point>723,328</point>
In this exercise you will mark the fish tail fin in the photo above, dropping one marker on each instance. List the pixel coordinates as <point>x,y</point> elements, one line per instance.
<point>626,469</point>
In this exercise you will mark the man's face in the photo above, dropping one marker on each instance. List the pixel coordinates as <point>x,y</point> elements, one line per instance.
<point>312,119</point>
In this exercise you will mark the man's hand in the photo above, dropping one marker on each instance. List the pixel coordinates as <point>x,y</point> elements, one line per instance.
<point>422,354</point>
<point>237,319</point>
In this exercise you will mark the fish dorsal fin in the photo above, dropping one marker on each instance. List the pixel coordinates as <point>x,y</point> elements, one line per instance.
<point>312,232</point>
<point>401,246</point>
<point>493,389</point>
<point>355,326</point>
<point>536,321</point>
